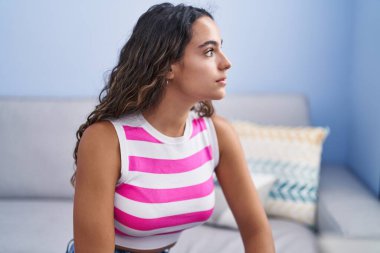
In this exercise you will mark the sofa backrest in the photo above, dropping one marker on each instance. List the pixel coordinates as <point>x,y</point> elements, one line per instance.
<point>37,136</point>
<point>273,109</point>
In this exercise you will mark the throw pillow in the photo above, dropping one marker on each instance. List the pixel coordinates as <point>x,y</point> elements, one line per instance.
<point>222,215</point>
<point>293,155</point>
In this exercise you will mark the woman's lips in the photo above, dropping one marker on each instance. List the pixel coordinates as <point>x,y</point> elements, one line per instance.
<point>222,81</point>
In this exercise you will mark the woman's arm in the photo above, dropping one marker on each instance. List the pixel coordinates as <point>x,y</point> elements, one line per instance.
<point>98,168</point>
<point>234,178</point>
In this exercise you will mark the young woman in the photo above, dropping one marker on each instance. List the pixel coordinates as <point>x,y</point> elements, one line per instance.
<point>146,156</point>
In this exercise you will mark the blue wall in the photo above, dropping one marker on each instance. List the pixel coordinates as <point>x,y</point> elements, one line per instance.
<point>61,48</point>
<point>364,139</point>
<point>294,46</point>
<point>64,49</point>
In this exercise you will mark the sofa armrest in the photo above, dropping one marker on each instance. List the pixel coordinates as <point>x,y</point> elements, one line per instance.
<point>346,208</point>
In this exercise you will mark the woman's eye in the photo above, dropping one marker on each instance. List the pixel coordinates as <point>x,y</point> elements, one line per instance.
<point>209,52</point>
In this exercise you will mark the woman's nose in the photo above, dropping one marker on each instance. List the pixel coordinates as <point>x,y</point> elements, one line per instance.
<point>225,63</point>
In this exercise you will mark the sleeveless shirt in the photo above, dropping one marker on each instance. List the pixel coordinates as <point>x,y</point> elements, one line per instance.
<point>166,183</point>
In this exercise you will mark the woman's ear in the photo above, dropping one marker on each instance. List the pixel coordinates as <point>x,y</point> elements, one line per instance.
<point>170,74</point>
<point>174,68</point>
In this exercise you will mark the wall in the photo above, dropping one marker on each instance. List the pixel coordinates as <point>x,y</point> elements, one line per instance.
<point>363,154</point>
<point>64,48</point>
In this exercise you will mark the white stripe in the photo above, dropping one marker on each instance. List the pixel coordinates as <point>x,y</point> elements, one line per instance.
<point>168,181</point>
<point>159,210</point>
<point>145,243</point>
<point>123,150</point>
<point>168,151</point>
<point>214,140</point>
<point>134,232</point>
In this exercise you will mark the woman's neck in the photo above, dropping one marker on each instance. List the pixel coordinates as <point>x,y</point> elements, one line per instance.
<point>169,121</point>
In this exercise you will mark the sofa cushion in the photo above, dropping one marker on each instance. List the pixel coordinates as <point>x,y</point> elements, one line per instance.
<point>35,225</point>
<point>289,237</point>
<point>45,226</point>
<point>37,143</point>
<point>38,136</point>
<point>346,207</point>
<point>329,243</point>
<point>293,155</point>
<point>265,108</point>
<point>222,214</point>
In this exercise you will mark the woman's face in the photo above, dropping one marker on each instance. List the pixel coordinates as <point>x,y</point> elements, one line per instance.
<point>201,73</point>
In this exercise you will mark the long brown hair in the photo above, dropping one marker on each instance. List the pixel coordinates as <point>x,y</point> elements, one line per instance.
<point>137,82</point>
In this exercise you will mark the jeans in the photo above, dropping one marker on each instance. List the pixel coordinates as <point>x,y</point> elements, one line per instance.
<point>70,248</point>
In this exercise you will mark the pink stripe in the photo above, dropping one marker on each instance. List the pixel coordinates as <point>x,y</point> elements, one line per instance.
<point>167,166</point>
<point>138,134</point>
<point>198,126</point>
<point>148,195</point>
<point>117,231</point>
<point>163,222</point>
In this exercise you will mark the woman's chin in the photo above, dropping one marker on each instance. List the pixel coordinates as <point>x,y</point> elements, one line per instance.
<point>220,95</point>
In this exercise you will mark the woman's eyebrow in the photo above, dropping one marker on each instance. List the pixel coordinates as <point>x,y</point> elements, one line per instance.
<point>210,42</point>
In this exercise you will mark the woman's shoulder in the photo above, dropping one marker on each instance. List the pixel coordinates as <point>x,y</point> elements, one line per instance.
<point>102,131</point>
<point>99,140</point>
<point>221,124</point>
<point>225,132</point>
<point>99,149</point>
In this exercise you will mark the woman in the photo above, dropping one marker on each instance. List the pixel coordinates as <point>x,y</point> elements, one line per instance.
<point>146,155</point>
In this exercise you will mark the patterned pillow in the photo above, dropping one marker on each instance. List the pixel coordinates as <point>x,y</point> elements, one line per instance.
<point>222,215</point>
<point>293,155</point>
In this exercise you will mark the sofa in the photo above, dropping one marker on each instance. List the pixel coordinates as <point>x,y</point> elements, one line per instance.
<point>37,137</point>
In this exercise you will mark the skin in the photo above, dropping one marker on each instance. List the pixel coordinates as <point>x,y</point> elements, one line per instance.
<point>194,78</point>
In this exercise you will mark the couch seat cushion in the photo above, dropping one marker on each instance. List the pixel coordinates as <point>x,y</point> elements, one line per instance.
<point>346,206</point>
<point>45,225</point>
<point>35,225</point>
<point>289,237</point>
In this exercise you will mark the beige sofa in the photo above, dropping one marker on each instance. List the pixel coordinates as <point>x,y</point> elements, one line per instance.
<point>37,137</point>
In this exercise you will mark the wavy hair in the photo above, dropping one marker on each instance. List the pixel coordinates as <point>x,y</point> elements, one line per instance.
<point>137,82</point>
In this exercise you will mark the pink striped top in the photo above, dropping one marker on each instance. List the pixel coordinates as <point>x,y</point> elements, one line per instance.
<point>166,183</point>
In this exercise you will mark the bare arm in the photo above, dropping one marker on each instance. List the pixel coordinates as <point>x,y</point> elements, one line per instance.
<point>238,188</point>
<point>98,168</point>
